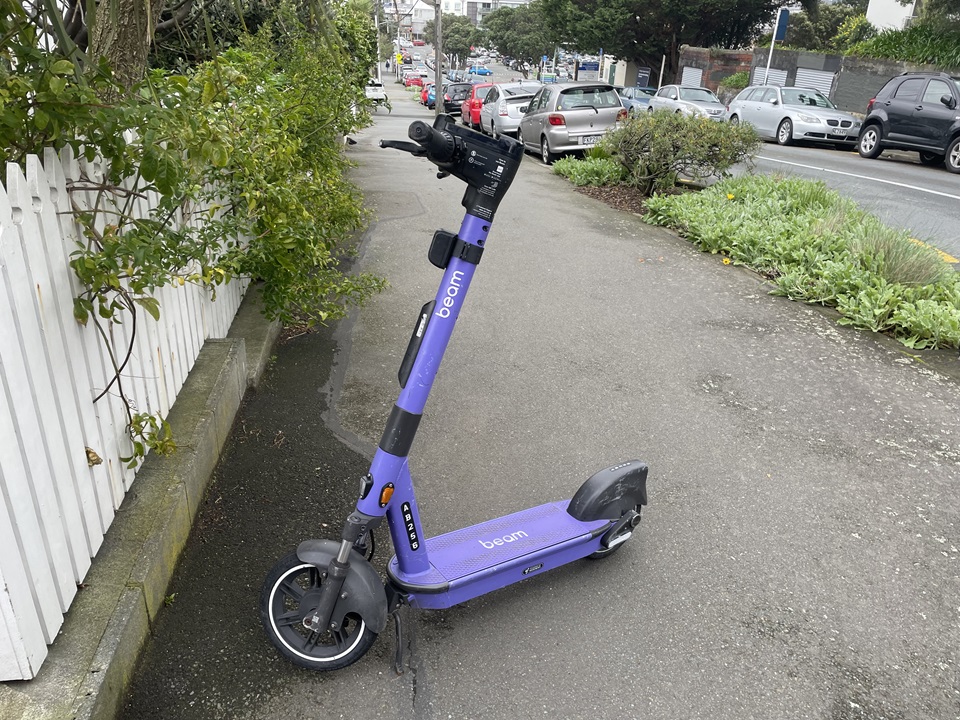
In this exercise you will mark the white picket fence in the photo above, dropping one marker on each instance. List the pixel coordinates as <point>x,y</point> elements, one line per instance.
<point>56,503</point>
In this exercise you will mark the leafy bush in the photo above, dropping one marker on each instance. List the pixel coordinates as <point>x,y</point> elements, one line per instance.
<point>656,148</point>
<point>589,171</point>
<point>731,85</point>
<point>923,43</point>
<point>820,248</point>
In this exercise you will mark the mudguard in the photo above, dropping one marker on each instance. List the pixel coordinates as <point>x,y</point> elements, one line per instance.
<point>609,493</point>
<point>365,594</point>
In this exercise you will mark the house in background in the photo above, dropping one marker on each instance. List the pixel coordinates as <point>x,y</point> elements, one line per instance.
<point>891,14</point>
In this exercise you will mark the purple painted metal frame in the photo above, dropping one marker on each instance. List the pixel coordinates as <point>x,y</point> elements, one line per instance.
<point>450,569</point>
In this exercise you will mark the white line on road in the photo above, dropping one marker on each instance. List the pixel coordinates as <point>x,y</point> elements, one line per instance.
<point>862,177</point>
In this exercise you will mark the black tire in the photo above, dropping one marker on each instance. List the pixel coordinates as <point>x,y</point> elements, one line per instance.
<point>547,157</point>
<point>290,592</point>
<point>785,132</point>
<point>734,120</point>
<point>607,552</point>
<point>493,130</point>
<point>931,159</point>
<point>953,156</point>
<point>520,139</point>
<point>868,145</point>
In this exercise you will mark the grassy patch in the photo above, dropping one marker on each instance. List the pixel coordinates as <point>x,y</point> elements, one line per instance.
<point>818,247</point>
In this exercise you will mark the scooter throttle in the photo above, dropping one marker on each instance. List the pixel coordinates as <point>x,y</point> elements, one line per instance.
<point>439,144</point>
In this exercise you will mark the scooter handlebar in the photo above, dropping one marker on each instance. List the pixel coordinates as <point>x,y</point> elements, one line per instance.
<point>439,144</point>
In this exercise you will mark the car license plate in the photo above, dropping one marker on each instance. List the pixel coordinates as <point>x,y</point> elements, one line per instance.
<point>589,139</point>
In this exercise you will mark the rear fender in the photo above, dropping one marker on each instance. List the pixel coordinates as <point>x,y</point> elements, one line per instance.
<point>611,492</point>
<point>362,593</point>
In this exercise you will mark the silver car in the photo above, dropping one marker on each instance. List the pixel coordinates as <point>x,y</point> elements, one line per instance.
<point>504,105</point>
<point>695,101</point>
<point>569,117</point>
<point>792,113</point>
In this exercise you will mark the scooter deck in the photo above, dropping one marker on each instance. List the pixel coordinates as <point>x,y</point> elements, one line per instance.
<point>459,556</point>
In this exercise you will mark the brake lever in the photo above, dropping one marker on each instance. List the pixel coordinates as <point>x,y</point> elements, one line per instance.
<point>409,147</point>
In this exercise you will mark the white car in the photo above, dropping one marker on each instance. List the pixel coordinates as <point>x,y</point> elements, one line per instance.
<point>695,101</point>
<point>792,113</point>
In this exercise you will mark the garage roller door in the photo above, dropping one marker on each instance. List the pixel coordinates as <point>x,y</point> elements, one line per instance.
<point>817,79</point>
<point>691,77</point>
<point>776,77</point>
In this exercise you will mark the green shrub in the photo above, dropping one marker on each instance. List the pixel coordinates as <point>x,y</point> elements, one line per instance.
<point>657,148</point>
<point>923,43</point>
<point>820,248</point>
<point>589,171</point>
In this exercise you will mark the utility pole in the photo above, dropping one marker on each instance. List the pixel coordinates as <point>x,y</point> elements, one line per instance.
<point>438,62</point>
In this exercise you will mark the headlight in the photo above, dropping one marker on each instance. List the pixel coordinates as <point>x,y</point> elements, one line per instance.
<point>813,119</point>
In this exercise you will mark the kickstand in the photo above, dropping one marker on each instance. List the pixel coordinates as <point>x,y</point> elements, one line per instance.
<point>405,629</point>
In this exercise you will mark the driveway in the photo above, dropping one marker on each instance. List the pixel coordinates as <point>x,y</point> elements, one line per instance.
<point>800,554</point>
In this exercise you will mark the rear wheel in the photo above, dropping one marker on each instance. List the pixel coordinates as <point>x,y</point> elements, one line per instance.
<point>953,156</point>
<point>620,539</point>
<point>289,596</point>
<point>546,155</point>
<point>869,144</point>
<point>931,159</point>
<point>785,132</point>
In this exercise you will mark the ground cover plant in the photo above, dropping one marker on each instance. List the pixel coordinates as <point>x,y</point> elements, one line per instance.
<point>818,247</point>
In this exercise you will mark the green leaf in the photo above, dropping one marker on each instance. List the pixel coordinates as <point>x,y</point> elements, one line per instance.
<point>151,305</point>
<point>40,118</point>
<point>63,67</point>
<point>80,313</point>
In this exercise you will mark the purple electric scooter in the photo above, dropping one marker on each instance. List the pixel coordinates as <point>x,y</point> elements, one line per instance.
<point>323,605</point>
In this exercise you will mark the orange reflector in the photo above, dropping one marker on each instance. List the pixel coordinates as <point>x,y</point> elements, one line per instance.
<point>386,494</point>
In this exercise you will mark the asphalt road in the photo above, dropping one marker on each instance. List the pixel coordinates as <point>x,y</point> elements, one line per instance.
<point>800,556</point>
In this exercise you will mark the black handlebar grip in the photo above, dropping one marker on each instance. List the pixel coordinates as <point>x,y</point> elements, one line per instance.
<point>439,144</point>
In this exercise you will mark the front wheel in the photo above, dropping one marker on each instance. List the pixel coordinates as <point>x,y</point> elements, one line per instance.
<point>785,132</point>
<point>869,144</point>
<point>289,596</point>
<point>734,120</point>
<point>953,156</point>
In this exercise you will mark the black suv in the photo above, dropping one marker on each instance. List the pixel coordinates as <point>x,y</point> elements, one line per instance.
<point>915,111</point>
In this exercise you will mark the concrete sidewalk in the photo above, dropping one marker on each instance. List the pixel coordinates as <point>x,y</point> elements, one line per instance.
<point>91,663</point>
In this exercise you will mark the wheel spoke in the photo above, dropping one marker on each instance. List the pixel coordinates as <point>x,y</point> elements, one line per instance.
<point>289,619</point>
<point>290,588</point>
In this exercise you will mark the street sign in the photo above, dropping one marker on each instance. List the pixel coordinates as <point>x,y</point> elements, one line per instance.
<point>588,71</point>
<point>781,31</point>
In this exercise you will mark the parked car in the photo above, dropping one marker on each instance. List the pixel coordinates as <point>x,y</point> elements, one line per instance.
<point>419,43</point>
<point>454,96</point>
<point>412,79</point>
<point>375,92</point>
<point>470,108</point>
<point>635,99</point>
<point>787,114</point>
<point>915,111</point>
<point>689,101</point>
<point>479,70</point>
<point>569,117</point>
<point>425,93</point>
<point>504,106</point>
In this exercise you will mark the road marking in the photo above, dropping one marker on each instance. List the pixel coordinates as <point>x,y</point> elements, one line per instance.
<point>862,177</point>
<point>946,256</point>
